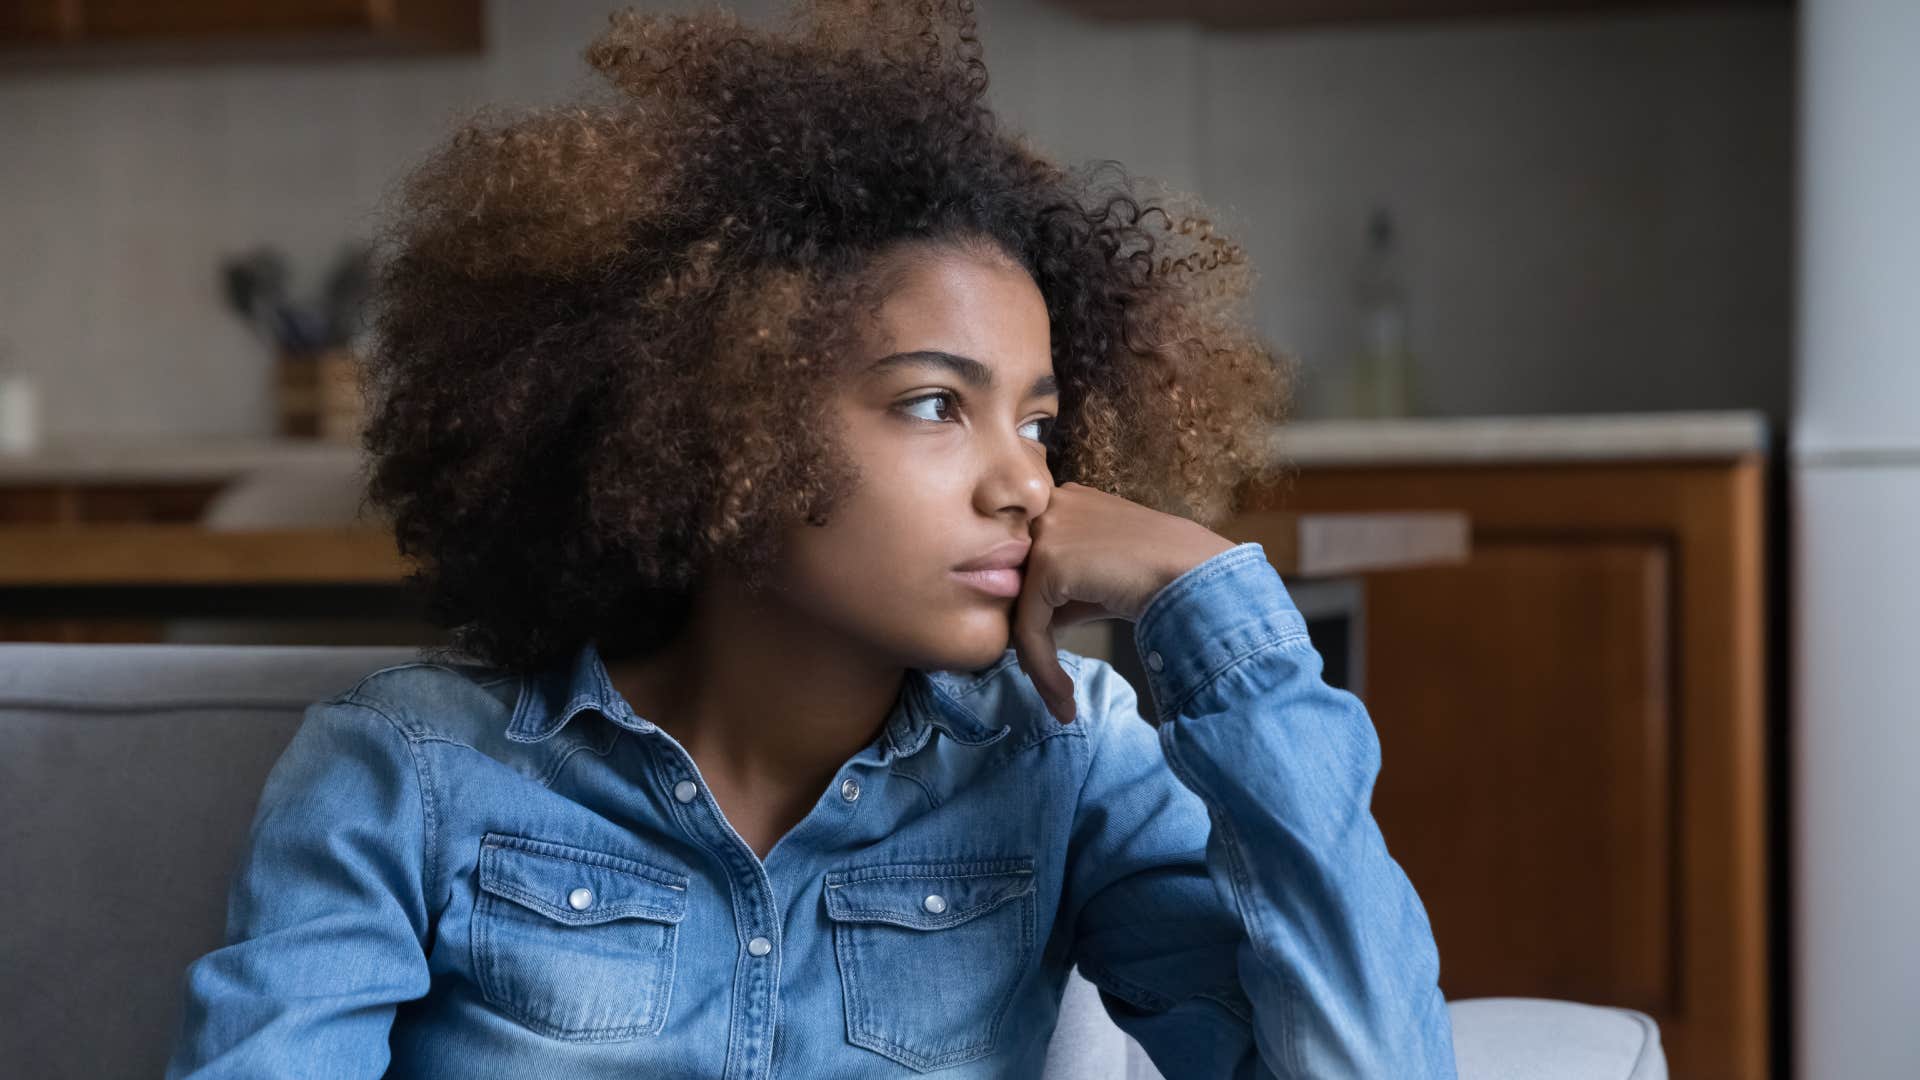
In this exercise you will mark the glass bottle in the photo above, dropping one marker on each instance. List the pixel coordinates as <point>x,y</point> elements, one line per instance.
<point>1382,374</point>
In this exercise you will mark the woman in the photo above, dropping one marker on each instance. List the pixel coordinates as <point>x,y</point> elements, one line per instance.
<point>755,426</point>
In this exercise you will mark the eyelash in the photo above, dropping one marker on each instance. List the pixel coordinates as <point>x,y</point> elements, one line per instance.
<point>953,400</point>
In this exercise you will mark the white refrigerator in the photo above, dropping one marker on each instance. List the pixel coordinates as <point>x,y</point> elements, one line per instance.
<point>1854,446</point>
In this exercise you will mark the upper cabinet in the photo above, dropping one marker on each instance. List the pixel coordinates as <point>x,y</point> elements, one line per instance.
<point>67,31</point>
<point>1278,14</point>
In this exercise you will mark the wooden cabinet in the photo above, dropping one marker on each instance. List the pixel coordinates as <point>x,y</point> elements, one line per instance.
<point>1573,731</point>
<point>33,22</point>
<point>79,504</point>
<point>62,30</point>
<point>178,503</point>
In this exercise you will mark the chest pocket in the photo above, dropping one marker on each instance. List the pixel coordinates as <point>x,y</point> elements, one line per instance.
<point>930,954</point>
<point>575,944</point>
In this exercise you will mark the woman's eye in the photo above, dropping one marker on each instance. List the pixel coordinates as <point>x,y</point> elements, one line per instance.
<point>942,396</point>
<point>933,402</point>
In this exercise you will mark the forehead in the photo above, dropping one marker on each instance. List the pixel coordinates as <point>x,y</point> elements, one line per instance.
<point>963,303</point>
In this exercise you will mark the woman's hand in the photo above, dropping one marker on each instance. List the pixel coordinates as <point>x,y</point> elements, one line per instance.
<point>1095,556</point>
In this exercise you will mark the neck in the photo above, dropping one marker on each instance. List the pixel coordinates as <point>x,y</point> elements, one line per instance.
<point>762,697</point>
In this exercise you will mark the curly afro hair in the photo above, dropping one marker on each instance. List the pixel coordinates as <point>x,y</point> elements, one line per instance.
<point>606,333</point>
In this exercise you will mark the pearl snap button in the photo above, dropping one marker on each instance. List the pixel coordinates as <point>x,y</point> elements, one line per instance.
<point>759,946</point>
<point>685,790</point>
<point>579,898</point>
<point>849,789</point>
<point>1154,661</point>
<point>935,903</point>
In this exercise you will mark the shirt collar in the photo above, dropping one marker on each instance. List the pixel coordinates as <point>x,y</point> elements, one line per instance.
<point>929,700</point>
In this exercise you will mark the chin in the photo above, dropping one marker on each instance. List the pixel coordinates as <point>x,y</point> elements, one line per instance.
<point>967,645</point>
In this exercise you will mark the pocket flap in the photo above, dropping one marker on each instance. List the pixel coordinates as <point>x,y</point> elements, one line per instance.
<point>926,896</point>
<point>547,877</point>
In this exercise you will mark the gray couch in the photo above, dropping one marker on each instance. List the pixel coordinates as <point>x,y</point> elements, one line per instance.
<point>128,777</point>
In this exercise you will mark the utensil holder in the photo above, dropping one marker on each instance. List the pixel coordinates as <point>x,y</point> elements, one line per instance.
<point>319,395</point>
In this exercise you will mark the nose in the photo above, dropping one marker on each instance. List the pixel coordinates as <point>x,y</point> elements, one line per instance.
<point>1014,476</point>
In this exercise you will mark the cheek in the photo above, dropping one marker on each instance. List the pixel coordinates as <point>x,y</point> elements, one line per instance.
<point>887,539</point>
<point>881,563</point>
<point>879,573</point>
<point>913,497</point>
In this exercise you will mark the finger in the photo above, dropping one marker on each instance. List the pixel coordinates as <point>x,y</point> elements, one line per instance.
<point>1033,642</point>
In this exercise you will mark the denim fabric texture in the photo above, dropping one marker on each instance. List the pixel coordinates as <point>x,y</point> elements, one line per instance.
<point>454,872</point>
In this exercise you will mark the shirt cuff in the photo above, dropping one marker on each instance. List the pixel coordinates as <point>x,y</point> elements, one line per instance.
<point>1208,619</point>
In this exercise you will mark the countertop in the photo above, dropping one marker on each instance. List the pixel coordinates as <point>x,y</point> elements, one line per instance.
<point>172,460</point>
<point>1670,436</point>
<point>1512,440</point>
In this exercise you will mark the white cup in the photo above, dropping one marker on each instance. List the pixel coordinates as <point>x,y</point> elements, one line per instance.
<point>19,413</point>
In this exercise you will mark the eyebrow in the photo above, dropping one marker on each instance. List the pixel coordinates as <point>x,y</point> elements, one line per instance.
<point>971,371</point>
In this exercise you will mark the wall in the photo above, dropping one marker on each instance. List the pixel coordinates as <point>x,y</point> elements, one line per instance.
<point>1595,209</point>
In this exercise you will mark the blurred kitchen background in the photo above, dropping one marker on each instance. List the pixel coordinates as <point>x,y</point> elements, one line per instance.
<point>1629,284</point>
<point>1590,207</point>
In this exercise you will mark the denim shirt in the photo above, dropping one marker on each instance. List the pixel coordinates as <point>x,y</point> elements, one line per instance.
<point>454,872</point>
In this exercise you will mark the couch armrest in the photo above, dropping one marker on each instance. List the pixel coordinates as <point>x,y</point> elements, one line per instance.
<point>1510,1038</point>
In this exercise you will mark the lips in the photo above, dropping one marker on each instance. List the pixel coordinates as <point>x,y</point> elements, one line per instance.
<point>996,571</point>
<point>1002,582</point>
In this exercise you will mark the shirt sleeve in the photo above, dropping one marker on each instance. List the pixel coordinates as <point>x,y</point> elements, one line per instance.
<point>1228,889</point>
<point>326,918</point>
